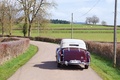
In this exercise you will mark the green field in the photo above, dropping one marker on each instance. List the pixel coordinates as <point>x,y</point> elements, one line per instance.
<point>85,32</point>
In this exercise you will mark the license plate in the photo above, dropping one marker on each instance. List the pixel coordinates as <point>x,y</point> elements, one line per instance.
<point>75,61</point>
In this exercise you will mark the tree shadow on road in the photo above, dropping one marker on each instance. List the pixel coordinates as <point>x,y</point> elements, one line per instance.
<point>52,65</point>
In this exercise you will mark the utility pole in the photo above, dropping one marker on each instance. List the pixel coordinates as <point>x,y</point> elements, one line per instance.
<point>115,33</point>
<point>72,26</point>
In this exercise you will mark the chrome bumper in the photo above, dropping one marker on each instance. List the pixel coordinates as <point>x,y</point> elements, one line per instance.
<point>74,62</point>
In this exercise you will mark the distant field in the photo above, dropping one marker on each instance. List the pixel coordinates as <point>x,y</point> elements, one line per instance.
<point>75,26</point>
<point>85,32</point>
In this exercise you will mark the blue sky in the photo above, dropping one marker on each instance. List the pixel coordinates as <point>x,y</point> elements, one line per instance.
<point>104,9</point>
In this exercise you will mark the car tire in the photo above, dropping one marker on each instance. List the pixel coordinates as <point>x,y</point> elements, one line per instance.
<point>58,65</point>
<point>86,66</point>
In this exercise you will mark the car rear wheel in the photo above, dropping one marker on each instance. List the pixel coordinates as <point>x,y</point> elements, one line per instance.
<point>86,66</point>
<point>58,65</point>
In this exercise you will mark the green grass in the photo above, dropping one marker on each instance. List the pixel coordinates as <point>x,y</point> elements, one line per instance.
<point>10,67</point>
<point>93,36</point>
<point>104,68</point>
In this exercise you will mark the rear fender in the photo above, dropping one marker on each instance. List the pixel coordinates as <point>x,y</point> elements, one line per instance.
<point>88,56</point>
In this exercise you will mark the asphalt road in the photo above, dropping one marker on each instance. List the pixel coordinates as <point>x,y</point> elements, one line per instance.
<point>43,67</point>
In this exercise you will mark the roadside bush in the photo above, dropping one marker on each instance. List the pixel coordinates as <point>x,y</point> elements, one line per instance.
<point>48,40</point>
<point>12,47</point>
<point>1,39</point>
<point>45,39</point>
<point>6,39</point>
<point>118,54</point>
<point>58,41</point>
<point>104,49</point>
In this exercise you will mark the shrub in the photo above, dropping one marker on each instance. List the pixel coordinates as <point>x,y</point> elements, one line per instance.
<point>58,41</point>
<point>45,39</point>
<point>12,48</point>
<point>104,49</point>
<point>118,54</point>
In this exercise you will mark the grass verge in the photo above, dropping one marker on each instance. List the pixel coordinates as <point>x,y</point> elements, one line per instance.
<point>104,68</point>
<point>10,67</point>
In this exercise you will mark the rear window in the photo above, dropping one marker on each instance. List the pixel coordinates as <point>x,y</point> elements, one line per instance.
<point>73,45</point>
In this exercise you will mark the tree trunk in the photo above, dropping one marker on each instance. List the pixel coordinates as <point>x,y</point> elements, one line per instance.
<point>10,32</point>
<point>2,31</point>
<point>25,29</point>
<point>29,30</point>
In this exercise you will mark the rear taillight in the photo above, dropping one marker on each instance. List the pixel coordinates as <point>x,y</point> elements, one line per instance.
<point>82,57</point>
<point>61,55</point>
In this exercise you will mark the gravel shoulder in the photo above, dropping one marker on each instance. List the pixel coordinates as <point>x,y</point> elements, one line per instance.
<point>43,66</point>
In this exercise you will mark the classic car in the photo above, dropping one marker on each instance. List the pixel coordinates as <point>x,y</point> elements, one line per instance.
<point>72,52</point>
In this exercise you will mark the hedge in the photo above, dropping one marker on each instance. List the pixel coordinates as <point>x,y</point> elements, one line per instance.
<point>104,49</point>
<point>13,48</point>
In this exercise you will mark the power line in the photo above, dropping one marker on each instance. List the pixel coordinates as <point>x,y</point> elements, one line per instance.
<point>91,8</point>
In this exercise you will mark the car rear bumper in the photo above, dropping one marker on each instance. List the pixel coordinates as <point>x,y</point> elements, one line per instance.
<point>74,62</point>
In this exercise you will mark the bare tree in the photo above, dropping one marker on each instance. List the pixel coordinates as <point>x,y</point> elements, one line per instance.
<point>3,10</point>
<point>7,15</point>
<point>25,8</point>
<point>95,19</point>
<point>41,21</point>
<point>32,8</point>
<point>11,14</point>
<point>88,20</point>
<point>103,23</point>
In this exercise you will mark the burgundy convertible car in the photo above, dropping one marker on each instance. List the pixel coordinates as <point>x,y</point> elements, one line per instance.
<point>72,52</point>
